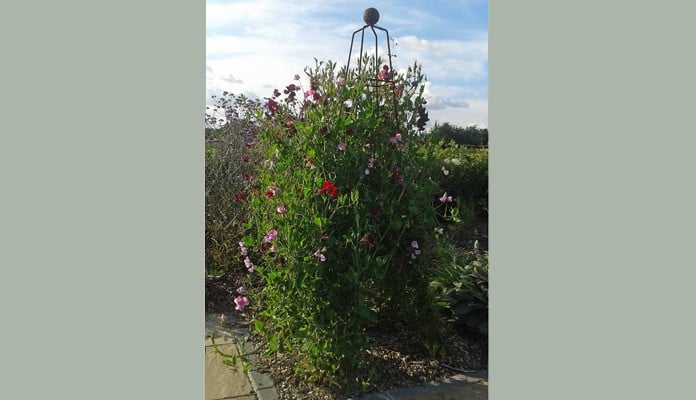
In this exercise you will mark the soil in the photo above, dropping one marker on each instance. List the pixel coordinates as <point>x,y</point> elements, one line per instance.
<point>396,358</point>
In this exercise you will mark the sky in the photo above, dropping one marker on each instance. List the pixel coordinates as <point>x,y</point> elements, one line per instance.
<point>256,46</point>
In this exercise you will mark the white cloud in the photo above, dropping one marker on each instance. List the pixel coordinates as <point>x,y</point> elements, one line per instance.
<point>253,47</point>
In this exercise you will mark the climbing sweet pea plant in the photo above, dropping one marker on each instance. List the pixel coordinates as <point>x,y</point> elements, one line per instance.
<point>343,218</point>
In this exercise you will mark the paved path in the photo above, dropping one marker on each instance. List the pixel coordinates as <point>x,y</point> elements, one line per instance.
<point>223,382</point>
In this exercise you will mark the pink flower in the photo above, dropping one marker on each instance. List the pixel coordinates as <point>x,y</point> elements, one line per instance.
<point>281,209</point>
<point>241,302</point>
<point>250,265</point>
<point>445,198</point>
<point>394,139</point>
<point>270,236</point>
<point>384,74</point>
<point>342,146</point>
<point>242,249</point>
<point>320,256</point>
<point>341,80</point>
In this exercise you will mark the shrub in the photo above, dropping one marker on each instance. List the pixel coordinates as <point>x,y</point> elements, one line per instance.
<point>459,171</point>
<point>227,143</point>
<point>341,225</point>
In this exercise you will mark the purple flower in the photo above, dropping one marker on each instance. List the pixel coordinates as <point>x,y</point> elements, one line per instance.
<point>297,77</point>
<point>342,146</point>
<point>414,244</point>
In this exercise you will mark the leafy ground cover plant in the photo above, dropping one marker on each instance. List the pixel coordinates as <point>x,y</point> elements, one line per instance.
<point>343,219</point>
<point>461,284</point>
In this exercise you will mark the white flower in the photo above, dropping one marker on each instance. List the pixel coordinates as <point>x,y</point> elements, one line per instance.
<point>456,161</point>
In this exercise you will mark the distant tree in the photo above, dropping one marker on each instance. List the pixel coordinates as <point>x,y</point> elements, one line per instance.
<point>469,136</point>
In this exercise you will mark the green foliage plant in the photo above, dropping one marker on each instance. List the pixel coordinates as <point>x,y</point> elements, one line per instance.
<point>229,164</point>
<point>461,286</point>
<point>343,219</point>
<point>459,171</point>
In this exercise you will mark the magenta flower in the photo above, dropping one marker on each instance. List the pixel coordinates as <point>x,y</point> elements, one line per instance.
<point>398,175</point>
<point>272,106</point>
<point>342,146</point>
<point>270,236</point>
<point>241,302</point>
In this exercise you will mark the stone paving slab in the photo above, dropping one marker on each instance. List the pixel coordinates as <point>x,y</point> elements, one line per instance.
<point>224,382</point>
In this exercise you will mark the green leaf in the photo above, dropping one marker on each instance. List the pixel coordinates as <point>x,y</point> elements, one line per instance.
<point>367,314</point>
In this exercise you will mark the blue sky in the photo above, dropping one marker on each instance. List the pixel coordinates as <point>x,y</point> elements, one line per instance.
<point>253,47</point>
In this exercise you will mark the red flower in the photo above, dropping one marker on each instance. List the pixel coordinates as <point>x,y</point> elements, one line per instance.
<point>239,196</point>
<point>330,188</point>
<point>368,240</point>
<point>269,194</point>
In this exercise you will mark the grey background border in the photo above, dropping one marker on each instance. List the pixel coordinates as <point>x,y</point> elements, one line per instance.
<point>101,159</point>
<point>591,200</point>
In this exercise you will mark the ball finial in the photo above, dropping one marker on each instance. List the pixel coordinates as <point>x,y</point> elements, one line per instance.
<point>371,16</point>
